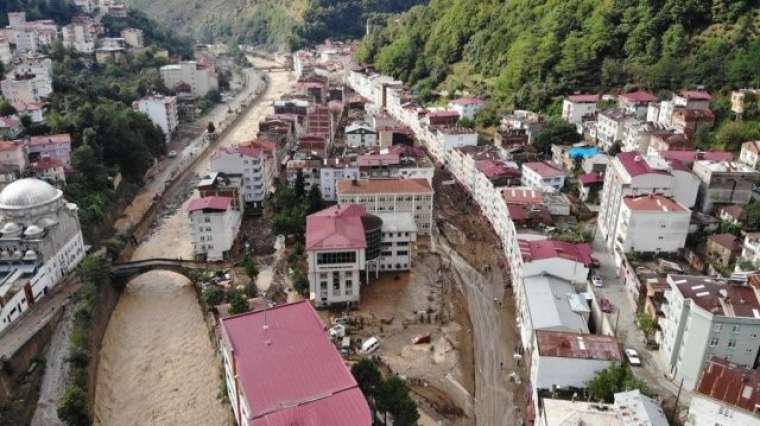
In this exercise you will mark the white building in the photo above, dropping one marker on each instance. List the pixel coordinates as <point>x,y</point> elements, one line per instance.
<point>345,245</point>
<point>26,88</point>
<point>334,170</point>
<point>725,395</point>
<point>41,243</point>
<point>651,223</point>
<point>630,409</point>
<point>704,318</point>
<point>80,35</point>
<point>467,107</point>
<point>214,225</point>
<point>413,196</point>
<point>750,154</point>
<point>161,110</point>
<point>254,161</point>
<point>5,51</point>
<point>543,175</point>
<point>636,103</point>
<point>360,135</point>
<point>577,107</point>
<point>199,79</point>
<point>611,125</point>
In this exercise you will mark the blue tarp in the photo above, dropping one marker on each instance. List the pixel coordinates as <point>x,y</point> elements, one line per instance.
<point>582,152</point>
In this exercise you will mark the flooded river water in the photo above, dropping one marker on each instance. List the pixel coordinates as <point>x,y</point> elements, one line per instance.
<point>158,365</point>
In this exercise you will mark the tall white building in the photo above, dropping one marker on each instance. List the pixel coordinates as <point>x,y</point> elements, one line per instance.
<point>334,170</point>
<point>26,88</point>
<point>5,51</point>
<point>543,175</point>
<point>254,162</point>
<point>651,223</point>
<point>214,225</point>
<point>577,107</point>
<point>706,317</point>
<point>41,243</point>
<point>80,35</point>
<point>162,111</point>
<point>190,77</point>
<point>360,135</point>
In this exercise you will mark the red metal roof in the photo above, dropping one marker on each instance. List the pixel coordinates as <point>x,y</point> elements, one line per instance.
<point>591,178</point>
<point>374,160</point>
<point>210,203</point>
<point>696,95</point>
<point>583,99</point>
<point>639,96</point>
<point>547,249</point>
<point>545,169</point>
<point>728,241</point>
<point>443,114</point>
<point>635,164</point>
<point>580,346</point>
<point>60,139</point>
<point>290,372</point>
<point>495,169</point>
<point>717,296</point>
<point>522,196</point>
<point>384,186</point>
<point>338,227</point>
<point>653,203</point>
<point>731,384</point>
<point>9,146</point>
<point>689,157</point>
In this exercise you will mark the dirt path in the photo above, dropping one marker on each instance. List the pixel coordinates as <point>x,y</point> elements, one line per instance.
<point>158,365</point>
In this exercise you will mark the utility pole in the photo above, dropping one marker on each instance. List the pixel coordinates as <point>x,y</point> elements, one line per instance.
<point>675,407</point>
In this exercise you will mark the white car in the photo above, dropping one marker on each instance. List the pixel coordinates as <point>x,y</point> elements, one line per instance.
<point>633,357</point>
<point>596,280</point>
<point>172,154</point>
<point>337,331</point>
<point>370,345</point>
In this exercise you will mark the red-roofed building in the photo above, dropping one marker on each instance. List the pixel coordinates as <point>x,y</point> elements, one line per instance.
<point>576,108</point>
<point>651,223</point>
<point>687,158</point>
<point>722,249</point>
<point>254,162</point>
<point>589,185</point>
<point>567,261</point>
<point>10,127</point>
<point>282,370</point>
<point>49,169</point>
<point>692,99</point>
<point>214,225</point>
<point>344,240</point>
<point>636,102</point>
<point>708,317</point>
<point>442,118</point>
<point>726,390</point>
<point>57,147</point>
<point>543,175</point>
<point>467,107</point>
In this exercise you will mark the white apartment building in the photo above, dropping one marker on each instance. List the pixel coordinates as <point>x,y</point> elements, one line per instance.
<point>467,107</point>
<point>254,162</point>
<point>334,170</point>
<point>651,223</point>
<point>373,87</point>
<point>5,51</point>
<point>214,225</point>
<point>345,244</point>
<point>200,79</point>
<point>750,154</point>
<point>576,107</point>
<point>751,248</point>
<point>724,182</point>
<point>161,110</point>
<point>706,317</point>
<point>726,394</point>
<point>442,140</point>
<point>413,196</point>
<point>360,135</point>
<point>29,36</point>
<point>611,125</point>
<point>636,103</point>
<point>133,37</point>
<point>543,175</point>
<point>80,35</point>
<point>26,88</point>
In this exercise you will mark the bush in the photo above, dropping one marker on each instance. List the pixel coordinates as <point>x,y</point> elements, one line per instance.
<point>250,268</point>
<point>238,303</point>
<point>73,409</point>
<point>213,295</point>
<point>300,282</point>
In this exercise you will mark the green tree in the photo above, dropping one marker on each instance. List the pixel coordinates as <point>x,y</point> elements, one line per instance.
<point>555,131</point>
<point>368,376</point>
<point>646,323</point>
<point>6,108</point>
<point>314,200</point>
<point>752,215</point>
<point>238,302</point>
<point>250,268</point>
<point>213,295</point>
<point>73,409</point>
<point>299,186</point>
<point>393,398</point>
<point>615,378</point>
<point>300,282</point>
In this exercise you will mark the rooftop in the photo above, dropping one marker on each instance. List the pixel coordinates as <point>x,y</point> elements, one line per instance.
<point>383,186</point>
<point>59,139</point>
<point>635,164</point>
<point>443,114</point>
<point>584,99</point>
<point>545,169</point>
<point>561,412</point>
<point>522,196</point>
<point>639,96</point>
<point>548,249</point>
<point>725,166</point>
<point>728,241</point>
<point>696,95</point>
<point>753,146</point>
<point>397,222</point>
<point>375,160</point>
<point>717,296</point>
<point>730,384</point>
<point>336,227</point>
<point>591,178</point>
<point>210,203</point>
<point>289,370</point>
<point>653,203</point>
<point>494,169</point>
<point>554,305</point>
<point>580,346</point>
<point>689,157</point>
<point>638,409</point>
<point>456,130</point>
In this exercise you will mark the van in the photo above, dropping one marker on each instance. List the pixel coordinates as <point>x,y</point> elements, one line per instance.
<point>370,345</point>
<point>345,346</point>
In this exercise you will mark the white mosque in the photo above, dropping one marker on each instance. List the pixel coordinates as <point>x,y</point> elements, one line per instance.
<point>40,242</point>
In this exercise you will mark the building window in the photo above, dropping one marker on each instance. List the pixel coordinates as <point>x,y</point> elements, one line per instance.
<point>336,282</point>
<point>333,258</point>
<point>349,287</point>
<point>714,341</point>
<point>718,327</point>
<point>732,343</point>
<point>402,253</point>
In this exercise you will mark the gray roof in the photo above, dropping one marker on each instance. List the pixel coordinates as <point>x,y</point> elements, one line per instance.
<point>26,193</point>
<point>638,409</point>
<point>551,302</point>
<point>397,222</point>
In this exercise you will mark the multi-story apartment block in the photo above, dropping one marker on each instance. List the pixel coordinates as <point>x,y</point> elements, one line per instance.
<point>543,175</point>
<point>345,244</point>
<point>214,224</point>
<point>706,317</point>
<point>636,103</point>
<point>651,223</point>
<point>308,167</point>
<point>161,110</point>
<point>26,88</point>
<point>191,78</point>
<point>576,108</point>
<point>726,394</point>
<point>394,163</point>
<point>133,37</point>
<point>332,171</point>
<point>254,161</point>
<point>467,107</point>
<point>413,196</point>
<point>56,147</point>
<point>611,125</point>
<point>360,135</point>
<point>724,182</point>
<point>750,154</point>
<point>80,35</point>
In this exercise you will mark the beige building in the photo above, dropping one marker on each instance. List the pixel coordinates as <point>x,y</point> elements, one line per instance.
<point>134,37</point>
<point>391,196</point>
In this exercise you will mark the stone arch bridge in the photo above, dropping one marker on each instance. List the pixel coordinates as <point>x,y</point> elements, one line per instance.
<point>189,268</point>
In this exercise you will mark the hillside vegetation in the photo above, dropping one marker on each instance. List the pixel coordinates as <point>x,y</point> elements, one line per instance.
<point>272,23</point>
<point>525,52</point>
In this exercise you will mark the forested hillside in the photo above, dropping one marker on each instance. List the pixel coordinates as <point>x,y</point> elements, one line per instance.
<point>273,23</point>
<point>525,52</point>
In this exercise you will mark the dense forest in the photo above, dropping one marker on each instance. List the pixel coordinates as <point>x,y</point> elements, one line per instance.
<point>60,11</point>
<point>526,52</point>
<point>272,23</point>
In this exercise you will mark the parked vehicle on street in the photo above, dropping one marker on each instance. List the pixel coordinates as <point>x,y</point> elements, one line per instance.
<point>370,345</point>
<point>596,280</point>
<point>337,331</point>
<point>606,306</point>
<point>345,346</point>
<point>633,357</point>
<point>172,154</point>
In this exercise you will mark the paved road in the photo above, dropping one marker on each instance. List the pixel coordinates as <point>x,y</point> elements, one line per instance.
<point>493,399</point>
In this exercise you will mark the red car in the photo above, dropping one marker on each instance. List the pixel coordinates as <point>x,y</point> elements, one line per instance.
<point>606,306</point>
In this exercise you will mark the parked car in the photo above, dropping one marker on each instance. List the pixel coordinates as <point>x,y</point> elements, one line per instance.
<point>337,331</point>
<point>172,154</point>
<point>345,346</point>
<point>596,280</point>
<point>345,320</point>
<point>606,305</point>
<point>633,357</point>
<point>370,345</point>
